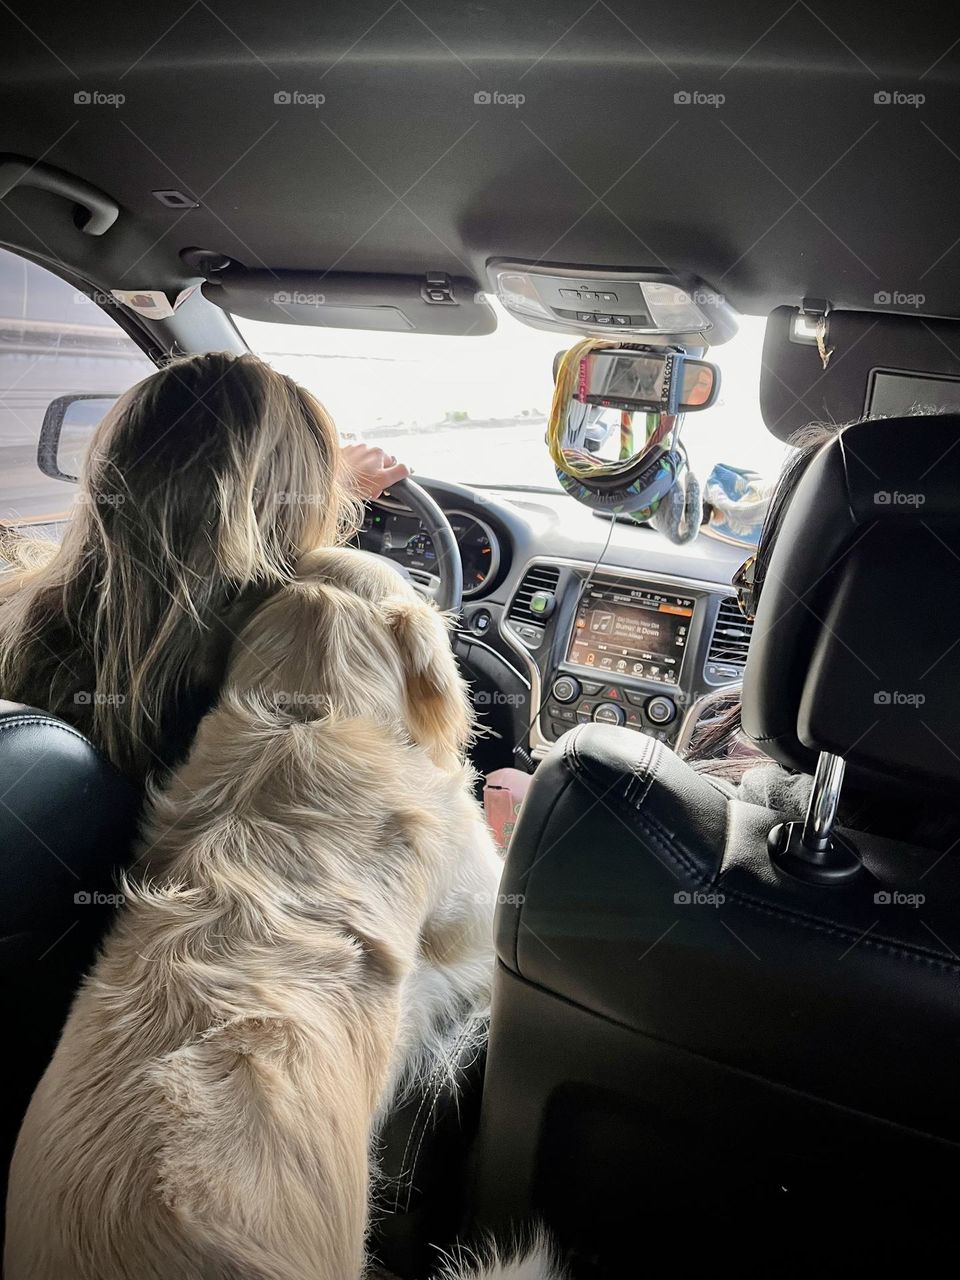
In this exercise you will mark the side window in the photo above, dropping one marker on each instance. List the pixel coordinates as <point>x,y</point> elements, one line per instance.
<point>54,341</point>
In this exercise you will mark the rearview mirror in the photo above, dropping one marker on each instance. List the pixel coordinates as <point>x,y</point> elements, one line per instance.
<point>646,380</point>
<point>68,425</point>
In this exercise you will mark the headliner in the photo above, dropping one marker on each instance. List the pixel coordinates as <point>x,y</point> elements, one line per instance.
<point>799,184</point>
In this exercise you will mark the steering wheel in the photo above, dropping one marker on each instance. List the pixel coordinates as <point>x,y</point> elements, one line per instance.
<point>448,595</point>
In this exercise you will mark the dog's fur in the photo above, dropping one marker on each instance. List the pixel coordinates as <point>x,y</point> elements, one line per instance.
<point>315,909</point>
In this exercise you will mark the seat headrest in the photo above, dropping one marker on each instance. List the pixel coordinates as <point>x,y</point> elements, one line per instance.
<point>856,644</point>
<point>67,819</point>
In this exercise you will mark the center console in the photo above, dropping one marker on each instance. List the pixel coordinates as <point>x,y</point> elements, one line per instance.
<point>617,647</point>
<point>624,639</point>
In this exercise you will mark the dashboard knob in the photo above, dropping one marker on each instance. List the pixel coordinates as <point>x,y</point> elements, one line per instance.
<point>661,710</point>
<point>609,713</point>
<point>566,689</point>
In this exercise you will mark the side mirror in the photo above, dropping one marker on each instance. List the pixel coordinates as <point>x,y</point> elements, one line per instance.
<point>68,424</point>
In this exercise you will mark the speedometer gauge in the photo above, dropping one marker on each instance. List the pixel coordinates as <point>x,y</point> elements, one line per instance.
<point>479,551</point>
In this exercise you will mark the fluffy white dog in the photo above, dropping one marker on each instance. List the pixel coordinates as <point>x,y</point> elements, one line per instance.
<point>314,911</point>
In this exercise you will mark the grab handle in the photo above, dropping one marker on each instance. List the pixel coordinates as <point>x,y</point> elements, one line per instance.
<point>101,211</point>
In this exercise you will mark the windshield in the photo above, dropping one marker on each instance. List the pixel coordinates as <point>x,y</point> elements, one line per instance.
<point>474,409</point>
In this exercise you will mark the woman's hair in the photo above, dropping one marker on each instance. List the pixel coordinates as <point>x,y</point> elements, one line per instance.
<point>201,489</point>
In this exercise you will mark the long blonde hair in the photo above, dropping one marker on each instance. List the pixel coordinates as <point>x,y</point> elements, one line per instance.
<point>201,489</point>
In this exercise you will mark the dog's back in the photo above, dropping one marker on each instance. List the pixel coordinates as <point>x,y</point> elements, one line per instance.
<point>207,1113</point>
<point>252,989</point>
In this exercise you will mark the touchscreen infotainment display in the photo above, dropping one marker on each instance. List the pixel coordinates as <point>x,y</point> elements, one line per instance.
<point>631,631</point>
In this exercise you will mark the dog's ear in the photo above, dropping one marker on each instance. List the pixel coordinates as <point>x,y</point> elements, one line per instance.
<point>438,706</point>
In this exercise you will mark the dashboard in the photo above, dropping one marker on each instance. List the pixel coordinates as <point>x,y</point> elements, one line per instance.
<point>390,531</point>
<point>567,620</point>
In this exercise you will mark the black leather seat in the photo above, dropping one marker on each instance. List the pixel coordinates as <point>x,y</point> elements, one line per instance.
<point>422,1159</point>
<point>67,819</point>
<point>682,1032</point>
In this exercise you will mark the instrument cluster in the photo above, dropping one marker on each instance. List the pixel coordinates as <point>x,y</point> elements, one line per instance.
<point>400,536</point>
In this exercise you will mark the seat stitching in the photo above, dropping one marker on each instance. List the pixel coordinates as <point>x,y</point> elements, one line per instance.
<point>641,774</point>
<point>651,766</point>
<point>433,1086</point>
<point>683,858</point>
<point>679,857</point>
<point>429,1095</point>
<point>570,746</point>
<point>791,915</point>
<point>20,720</point>
<point>426,1120</point>
<point>14,721</point>
<point>403,1175</point>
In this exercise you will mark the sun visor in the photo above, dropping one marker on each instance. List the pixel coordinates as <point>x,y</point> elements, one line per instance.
<point>431,303</point>
<point>865,363</point>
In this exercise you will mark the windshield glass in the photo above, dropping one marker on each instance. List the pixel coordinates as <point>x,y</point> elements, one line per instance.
<point>474,409</point>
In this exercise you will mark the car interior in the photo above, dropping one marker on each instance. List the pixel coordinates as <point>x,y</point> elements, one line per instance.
<point>717,1031</point>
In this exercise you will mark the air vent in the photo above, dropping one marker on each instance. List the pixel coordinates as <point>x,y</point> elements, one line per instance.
<point>541,577</point>
<point>731,639</point>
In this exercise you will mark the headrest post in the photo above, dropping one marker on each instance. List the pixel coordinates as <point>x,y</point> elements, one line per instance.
<point>811,851</point>
<point>823,802</point>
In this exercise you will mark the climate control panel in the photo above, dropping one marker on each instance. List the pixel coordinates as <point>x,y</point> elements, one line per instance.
<point>573,700</point>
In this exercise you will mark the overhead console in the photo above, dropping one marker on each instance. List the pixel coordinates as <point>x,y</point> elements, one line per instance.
<point>622,647</point>
<point>597,302</point>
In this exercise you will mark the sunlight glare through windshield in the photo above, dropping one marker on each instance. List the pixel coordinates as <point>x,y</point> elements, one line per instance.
<point>473,409</point>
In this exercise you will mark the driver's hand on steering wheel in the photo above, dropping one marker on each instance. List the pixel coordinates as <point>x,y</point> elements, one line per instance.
<point>373,470</point>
